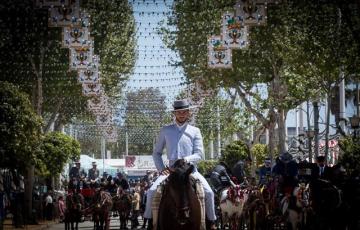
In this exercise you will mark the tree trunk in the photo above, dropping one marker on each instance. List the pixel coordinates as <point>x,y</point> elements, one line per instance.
<point>59,123</point>
<point>37,101</point>
<point>29,181</point>
<point>327,125</point>
<point>272,137</point>
<point>316,127</point>
<point>282,145</point>
<point>308,129</point>
<point>53,116</point>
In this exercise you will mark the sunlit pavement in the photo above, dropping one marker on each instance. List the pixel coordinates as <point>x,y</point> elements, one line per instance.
<point>114,224</point>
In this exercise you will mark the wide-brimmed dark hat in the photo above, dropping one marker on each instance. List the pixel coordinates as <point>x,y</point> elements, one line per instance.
<point>181,105</point>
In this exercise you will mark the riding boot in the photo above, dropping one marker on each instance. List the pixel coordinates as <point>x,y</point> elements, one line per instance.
<point>150,224</point>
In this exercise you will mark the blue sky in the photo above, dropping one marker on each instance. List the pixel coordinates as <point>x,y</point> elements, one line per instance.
<point>152,68</point>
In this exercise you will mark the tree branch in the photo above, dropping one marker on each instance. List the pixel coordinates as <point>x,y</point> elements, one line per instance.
<point>247,103</point>
<point>53,115</point>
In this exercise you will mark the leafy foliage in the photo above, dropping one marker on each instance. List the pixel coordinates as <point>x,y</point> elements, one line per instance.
<point>233,119</point>
<point>234,152</point>
<point>32,56</point>
<point>113,29</point>
<point>297,55</point>
<point>20,129</point>
<point>58,148</point>
<point>206,166</point>
<point>259,152</point>
<point>350,157</point>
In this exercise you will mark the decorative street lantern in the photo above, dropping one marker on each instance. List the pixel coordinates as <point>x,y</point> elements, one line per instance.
<point>354,122</point>
<point>91,89</point>
<point>65,15</point>
<point>98,103</point>
<point>219,53</point>
<point>91,73</point>
<point>234,33</point>
<point>110,133</point>
<point>250,12</point>
<point>75,37</point>
<point>81,58</point>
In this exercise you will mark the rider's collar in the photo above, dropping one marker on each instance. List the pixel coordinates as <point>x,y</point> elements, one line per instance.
<point>180,126</point>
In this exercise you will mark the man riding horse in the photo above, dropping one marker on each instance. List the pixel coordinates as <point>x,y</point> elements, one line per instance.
<point>182,141</point>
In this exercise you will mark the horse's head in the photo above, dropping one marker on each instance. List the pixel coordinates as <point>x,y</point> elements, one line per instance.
<point>179,189</point>
<point>302,194</point>
<point>237,195</point>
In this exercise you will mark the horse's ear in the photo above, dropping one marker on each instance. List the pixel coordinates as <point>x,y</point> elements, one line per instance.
<point>190,169</point>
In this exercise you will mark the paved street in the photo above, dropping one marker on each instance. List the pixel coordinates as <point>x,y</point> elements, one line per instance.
<point>114,224</point>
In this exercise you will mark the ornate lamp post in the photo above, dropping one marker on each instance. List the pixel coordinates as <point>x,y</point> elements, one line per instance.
<point>355,123</point>
<point>310,134</point>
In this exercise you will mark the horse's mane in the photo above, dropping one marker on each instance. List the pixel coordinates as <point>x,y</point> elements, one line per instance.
<point>180,171</point>
<point>175,212</point>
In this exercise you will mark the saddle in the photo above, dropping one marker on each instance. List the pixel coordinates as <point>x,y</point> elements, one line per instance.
<point>158,195</point>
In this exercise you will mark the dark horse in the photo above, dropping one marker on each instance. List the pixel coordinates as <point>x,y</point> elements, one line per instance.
<point>327,202</point>
<point>101,207</point>
<point>73,213</point>
<point>180,207</point>
<point>122,204</point>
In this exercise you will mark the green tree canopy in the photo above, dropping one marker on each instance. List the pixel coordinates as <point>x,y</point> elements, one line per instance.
<point>32,56</point>
<point>296,56</point>
<point>58,149</point>
<point>20,129</point>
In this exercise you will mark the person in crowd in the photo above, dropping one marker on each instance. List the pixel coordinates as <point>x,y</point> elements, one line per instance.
<point>77,174</point>
<point>265,172</point>
<point>148,178</point>
<point>321,170</point>
<point>93,174</point>
<point>286,169</point>
<point>220,177</point>
<point>120,180</point>
<point>136,206</point>
<point>61,209</point>
<point>182,141</point>
<point>49,206</point>
<point>144,187</point>
<point>239,170</point>
<point>111,185</point>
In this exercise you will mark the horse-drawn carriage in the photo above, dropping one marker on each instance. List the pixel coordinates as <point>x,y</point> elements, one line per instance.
<point>96,204</point>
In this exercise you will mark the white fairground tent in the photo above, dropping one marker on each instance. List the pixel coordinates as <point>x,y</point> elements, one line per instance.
<point>86,163</point>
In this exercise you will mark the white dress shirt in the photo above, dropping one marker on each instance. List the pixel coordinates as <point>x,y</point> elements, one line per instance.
<point>181,142</point>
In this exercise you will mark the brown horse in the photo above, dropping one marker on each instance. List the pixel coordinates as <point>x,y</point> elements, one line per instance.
<point>73,213</point>
<point>101,208</point>
<point>180,208</point>
<point>122,204</point>
<point>255,208</point>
